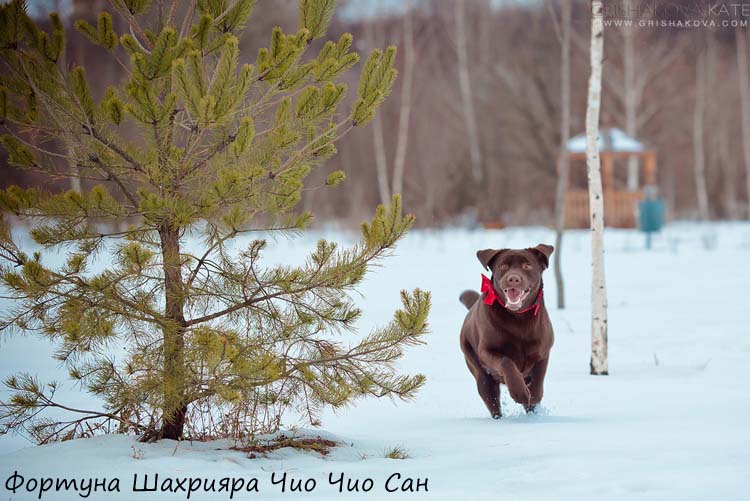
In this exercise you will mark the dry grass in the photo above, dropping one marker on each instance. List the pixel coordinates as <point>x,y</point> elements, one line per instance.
<point>396,453</point>
<point>320,445</point>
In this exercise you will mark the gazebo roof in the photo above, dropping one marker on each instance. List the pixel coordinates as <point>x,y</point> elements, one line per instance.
<point>610,139</point>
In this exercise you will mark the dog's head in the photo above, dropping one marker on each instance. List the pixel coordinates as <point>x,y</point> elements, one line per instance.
<point>516,273</point>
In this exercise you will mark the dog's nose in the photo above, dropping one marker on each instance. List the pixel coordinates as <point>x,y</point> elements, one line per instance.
<point>513,280</point>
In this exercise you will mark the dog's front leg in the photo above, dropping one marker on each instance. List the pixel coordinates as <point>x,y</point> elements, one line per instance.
<point>511,375</point>
<point>537,383</point>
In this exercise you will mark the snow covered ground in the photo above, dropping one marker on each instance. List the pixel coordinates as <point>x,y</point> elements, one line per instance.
<point>669,422</point>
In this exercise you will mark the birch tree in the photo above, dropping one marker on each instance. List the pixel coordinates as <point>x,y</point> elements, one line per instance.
<point>596,196</point>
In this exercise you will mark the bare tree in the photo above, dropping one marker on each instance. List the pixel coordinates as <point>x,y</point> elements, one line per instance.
<point>742,69</point>
<point>378,142</point>
<point>399,161</point>
<point>564,159</point>
<point>596,196</point>
<point>464,81</point>
<point>627,83</point>
<point>508,62</point>
<point>387,184</point>
<point>381,163</point>
<point>728,170</point>
<point>699,168</point>
<point>720,126</point>
<point>631,95</point>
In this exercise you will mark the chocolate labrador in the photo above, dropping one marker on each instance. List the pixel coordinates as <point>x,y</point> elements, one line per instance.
<point>507,335</point>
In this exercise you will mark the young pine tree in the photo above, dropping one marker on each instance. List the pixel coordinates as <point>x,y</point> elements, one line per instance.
<point>192,146</point>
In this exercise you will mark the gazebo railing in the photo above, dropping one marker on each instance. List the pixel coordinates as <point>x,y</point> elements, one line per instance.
<point>619,208</point>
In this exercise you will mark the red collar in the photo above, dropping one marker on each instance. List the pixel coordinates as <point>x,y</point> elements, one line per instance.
<point>493,296</point>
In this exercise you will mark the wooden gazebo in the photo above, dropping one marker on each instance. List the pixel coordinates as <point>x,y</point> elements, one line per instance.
<point>620,197</point>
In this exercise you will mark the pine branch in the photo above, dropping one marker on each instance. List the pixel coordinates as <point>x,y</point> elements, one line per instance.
<point>111,176</point>
<point>133,25</point>
<point>254,299</point>
<point>30,400</point>
<point>112,146</point>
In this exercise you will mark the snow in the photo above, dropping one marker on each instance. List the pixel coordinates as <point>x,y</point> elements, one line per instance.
<point>669,422</point>
<point>609,140</point>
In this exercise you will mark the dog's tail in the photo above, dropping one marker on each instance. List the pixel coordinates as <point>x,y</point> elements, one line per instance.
<point>468,298</point>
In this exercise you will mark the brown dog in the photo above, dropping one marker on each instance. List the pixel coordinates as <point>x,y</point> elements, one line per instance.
<point>507,335</point>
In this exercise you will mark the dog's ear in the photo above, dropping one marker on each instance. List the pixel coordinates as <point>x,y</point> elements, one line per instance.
<point>543,252</point>
<point>486,256</point>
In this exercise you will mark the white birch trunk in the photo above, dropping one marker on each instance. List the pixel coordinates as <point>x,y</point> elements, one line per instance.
<point>402,140</point>
<point>596,197</point>
<point>699,162</point>
<point>742,69</point>
<point>467,99</point>
<point>564,160</point>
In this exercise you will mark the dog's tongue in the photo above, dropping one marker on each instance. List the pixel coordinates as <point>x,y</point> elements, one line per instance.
<point>513,294</point>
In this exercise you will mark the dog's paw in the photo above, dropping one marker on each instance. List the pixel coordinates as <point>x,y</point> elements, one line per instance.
<point>496,416</point>
<point>521,396</point>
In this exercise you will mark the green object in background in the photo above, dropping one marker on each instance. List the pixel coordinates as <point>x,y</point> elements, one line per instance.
<point>650,217</point>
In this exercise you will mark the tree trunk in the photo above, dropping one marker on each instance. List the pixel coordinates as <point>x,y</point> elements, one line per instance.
<point>564,160</point>
<point>596,197</point>
<point>464,81</point>
<point>699,169</point>
<point>174,407</point>
<point>380,161</point>
<point>742,69</point>
<point>402,140</point>
<point>729,173</point>
<point>631,103</point>
<point>81,10</point>
<point>719,140</point>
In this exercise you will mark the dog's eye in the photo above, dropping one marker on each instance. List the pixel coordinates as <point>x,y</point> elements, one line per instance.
<point>526,266</point>
<point>503,267</point>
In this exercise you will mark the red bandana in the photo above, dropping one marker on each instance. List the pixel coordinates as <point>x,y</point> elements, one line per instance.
<point>491,296</point>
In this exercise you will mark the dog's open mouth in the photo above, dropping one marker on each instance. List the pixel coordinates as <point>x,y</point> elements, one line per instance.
<point>515,297</point>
